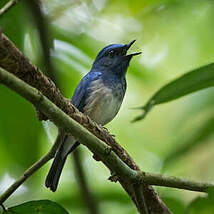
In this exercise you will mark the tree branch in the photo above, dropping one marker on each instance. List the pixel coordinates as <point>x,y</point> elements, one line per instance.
<point>63,121</point>
<point>172,181</point>
<point>14,61</point>
<point>37,165</point>
<point>7,6</point>
<point>109,158</point>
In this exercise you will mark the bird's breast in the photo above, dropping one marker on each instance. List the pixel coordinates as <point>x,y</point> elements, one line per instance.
<point>103,103</point>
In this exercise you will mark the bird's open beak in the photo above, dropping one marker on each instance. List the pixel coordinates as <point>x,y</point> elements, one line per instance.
<point>130,44</point>
<point>127,48</point>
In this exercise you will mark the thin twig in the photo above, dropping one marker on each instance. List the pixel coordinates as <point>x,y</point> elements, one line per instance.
<point>37,165</point>
<point>7,7</point>
<point>174,182</point>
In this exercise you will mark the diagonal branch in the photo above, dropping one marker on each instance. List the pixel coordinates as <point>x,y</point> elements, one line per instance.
<point>63,121</point>
<point>98,147</point>
<point>15,62</point>
<point>30,171</point>
<point>12,60</point>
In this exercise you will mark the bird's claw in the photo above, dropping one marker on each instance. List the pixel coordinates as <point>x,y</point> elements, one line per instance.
<point>113,178</point>
<point>108,131</point>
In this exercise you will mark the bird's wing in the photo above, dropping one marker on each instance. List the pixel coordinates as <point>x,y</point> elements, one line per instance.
<point>69,144</point>
<point>80,95</point>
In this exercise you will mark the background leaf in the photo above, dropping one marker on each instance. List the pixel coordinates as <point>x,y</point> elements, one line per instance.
<point>202,205</point>
<point>37,207</point>
<point>188,83</point>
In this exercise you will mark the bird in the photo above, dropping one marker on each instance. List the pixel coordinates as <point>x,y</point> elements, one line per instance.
<point>99,95</point>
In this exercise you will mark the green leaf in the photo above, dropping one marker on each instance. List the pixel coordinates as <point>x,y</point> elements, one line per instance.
<point>37,207</point>
<point>202,205</point>
<point>190,82</point>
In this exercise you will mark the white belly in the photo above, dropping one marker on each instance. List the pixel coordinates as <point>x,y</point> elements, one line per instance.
<point>102,106</point>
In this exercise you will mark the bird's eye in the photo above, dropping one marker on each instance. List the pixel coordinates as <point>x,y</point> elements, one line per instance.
<point>111,53</point>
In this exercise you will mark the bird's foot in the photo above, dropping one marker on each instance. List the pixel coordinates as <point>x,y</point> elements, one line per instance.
<point>105,128</point>
<point>113,177</point>
<point>108,131</point>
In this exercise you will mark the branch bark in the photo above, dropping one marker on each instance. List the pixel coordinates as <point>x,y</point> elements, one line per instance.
<point>14,61</point>
<point>172,181</point>
<point>104,152</point>
<point>63,121</point>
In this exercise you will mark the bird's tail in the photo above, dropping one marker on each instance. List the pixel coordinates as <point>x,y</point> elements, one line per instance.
<point>55,171</point>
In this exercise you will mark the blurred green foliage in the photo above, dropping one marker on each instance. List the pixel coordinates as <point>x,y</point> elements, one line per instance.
<point>37,207</point>
<point>190,82</point>
<point>175,37</point>
<point>202,205</point>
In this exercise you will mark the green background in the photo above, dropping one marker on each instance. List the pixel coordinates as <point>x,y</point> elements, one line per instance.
<point>176,138</point>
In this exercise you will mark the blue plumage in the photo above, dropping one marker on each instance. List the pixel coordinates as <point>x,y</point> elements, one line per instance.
<point>99,95</point>
<point>81,92</point>
<point>108,48</point>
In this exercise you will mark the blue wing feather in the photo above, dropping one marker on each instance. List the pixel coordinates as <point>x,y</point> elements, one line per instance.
<point>81,93</point>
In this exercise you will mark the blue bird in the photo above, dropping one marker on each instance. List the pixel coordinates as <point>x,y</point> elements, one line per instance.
<point>99,95</point>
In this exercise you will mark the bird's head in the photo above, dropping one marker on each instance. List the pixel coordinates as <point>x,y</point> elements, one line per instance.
<point>114,58</point>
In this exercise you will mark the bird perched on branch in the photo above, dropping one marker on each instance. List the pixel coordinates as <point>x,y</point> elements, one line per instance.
<point>99,95</point>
